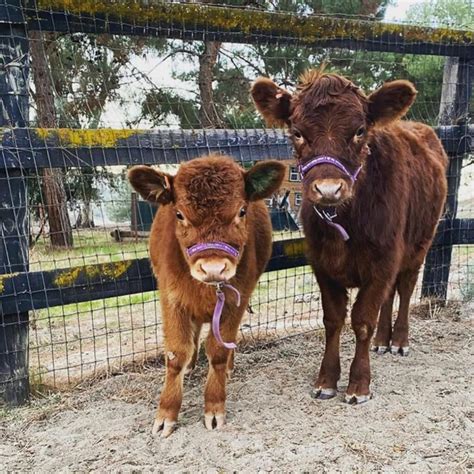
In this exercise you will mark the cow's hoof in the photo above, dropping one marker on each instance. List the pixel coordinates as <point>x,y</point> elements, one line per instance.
<point>323,393</point>
<point>166,427</point>
<point>357,399</point>
<point>380,350</point>
<point>214,421</point>
<point>403,351</point>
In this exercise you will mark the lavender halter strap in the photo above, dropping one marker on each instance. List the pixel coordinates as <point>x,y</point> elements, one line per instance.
<point>201,247</point>
<point>216,317</point>
<point>323,214</point>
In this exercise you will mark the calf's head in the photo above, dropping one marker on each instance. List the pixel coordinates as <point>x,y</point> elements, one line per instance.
<point>209,197</point>
<point>330,121</point>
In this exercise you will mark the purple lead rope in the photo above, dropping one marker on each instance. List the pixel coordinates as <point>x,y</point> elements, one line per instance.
<point>216,317</point>
<point>323,214</point>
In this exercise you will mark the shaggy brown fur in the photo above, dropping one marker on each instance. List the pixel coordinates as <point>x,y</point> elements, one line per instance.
<point>390,213</point>
<point>210,199</point>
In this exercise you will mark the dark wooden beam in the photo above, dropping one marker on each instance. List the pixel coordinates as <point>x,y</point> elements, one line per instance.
<point>194,21</point>
<point>37,290</point>
<point>59,148</point>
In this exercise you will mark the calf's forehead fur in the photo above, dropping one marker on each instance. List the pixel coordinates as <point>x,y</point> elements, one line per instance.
<point>318,90</point>
<point>210,185</point>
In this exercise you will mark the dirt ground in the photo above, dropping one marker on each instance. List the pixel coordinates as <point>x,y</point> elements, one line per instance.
<point>420,419</point>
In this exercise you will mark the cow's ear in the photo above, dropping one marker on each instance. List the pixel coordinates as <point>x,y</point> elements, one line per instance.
<point>152,185</point>
<point>391,101</point>
<point>272,101</point>
<point>263,179</point>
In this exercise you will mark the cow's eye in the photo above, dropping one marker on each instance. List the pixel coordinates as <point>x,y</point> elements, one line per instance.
<point>297,135</point>
<point>242,212</point>
<point>179,216</point>
<point>360,132</point>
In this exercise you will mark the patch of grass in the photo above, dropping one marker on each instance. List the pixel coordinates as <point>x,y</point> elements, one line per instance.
<point>43,317</point>
<point>90,247</point>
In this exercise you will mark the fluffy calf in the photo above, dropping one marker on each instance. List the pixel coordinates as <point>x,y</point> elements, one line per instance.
<point>212,228</point>
<point>373,191</point>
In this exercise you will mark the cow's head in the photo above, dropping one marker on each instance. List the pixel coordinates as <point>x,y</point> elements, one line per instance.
<point>209,197</point>
<point>328,116</point>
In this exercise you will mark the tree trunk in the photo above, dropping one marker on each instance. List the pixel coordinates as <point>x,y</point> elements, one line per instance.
<point>85,219</point>
<point>54,193</point>
<point>208,115</point>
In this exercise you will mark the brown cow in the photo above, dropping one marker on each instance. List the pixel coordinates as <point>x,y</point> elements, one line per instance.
<point>373,191</point>
<point>212,228</point>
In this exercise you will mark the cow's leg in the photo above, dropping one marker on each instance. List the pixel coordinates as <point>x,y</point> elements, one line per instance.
<point>196,335</point>
<point>364,319</point>
<point>334,299</point>
<point>179,348</point>
<point>230,364</point>
<point>406,285</point>
<point>383,335</point>
<point>219,361</point>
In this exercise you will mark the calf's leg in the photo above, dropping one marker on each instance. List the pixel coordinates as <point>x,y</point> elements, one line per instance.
<point>406,285</point>
<point>383,335</point>
<point>334,299</point>
<point>364,319</point>
<point>220,359</point>
<point>196,335</point>
<point>179,348</point>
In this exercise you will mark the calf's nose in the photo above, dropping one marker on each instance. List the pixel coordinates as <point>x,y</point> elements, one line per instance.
<point>328,189</point>
<point>213,270</point>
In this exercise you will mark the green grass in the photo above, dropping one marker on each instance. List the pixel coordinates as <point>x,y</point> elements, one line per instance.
<point>43,316</point>
<point>90,247</point>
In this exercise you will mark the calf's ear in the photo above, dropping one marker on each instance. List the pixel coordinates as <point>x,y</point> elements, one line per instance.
<point>271,101</point>
<point>391,101</point>
<point>152,185</point>
<point>263,179</point>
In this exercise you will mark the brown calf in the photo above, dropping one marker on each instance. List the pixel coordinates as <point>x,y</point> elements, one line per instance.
<point>373,192</point>
<point>209,200</point>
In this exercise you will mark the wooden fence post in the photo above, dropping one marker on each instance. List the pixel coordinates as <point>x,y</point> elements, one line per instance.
<point>14,70</point>
<point>454,110</point>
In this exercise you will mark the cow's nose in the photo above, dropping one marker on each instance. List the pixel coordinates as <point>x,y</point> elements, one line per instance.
<point>213,270</point>
<point>328,189</point>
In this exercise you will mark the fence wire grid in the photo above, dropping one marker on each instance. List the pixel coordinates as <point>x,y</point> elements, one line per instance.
<point>101,86</point>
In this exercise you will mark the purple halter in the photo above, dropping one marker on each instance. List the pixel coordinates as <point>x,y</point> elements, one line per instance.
<point>216,317</point>
<point>328,160</point>
<point>201,247</point>
<point>323,214</point>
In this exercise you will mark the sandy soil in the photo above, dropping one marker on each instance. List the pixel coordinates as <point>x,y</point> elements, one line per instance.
<point>421,417</point>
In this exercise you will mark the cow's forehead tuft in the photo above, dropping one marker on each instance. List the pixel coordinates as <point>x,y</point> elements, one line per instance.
<point>210,182</point>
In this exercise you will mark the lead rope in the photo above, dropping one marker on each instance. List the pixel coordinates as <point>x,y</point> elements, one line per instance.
<point>216,317</point>
<point>325,216</point>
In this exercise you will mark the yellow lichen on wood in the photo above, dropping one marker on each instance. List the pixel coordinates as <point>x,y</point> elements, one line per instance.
<point>4,278</point>
<point>294,248</point>
<point>111,271</point>
<point>75,138</point>
<point>306,29</point>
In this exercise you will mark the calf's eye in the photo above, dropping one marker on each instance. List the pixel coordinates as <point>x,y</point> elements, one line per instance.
<point>242,212</point>
<point>179,216</point>
<point>360,132</point>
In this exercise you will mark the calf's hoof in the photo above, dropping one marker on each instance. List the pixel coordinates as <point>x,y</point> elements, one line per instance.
<point>214,421</point>
<point>380,350</point>
<point>354,399</point>
<point>163,426</point>
<point>323,393</point>
<point>403,351</point>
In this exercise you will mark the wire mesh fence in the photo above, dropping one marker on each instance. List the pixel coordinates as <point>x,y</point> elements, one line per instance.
<point>105,85</point>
